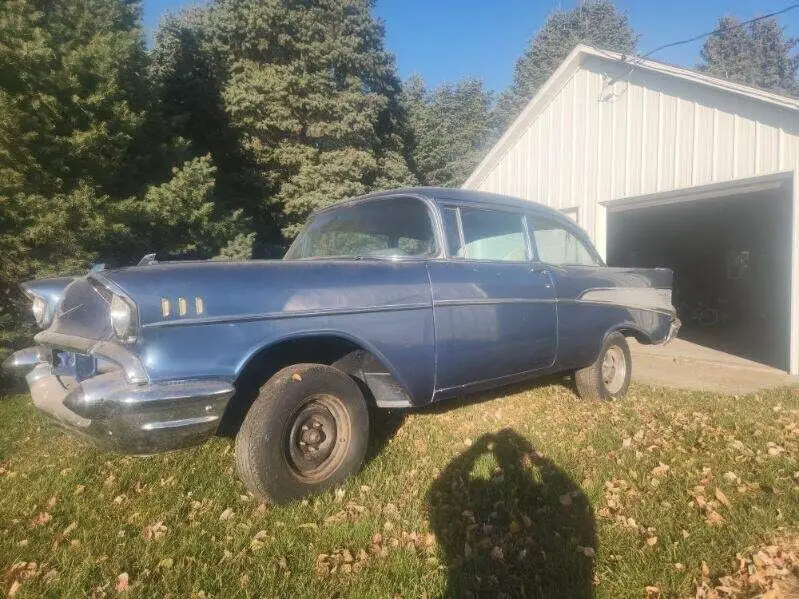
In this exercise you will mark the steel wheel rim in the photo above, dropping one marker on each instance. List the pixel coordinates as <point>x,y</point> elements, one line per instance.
<point>317,438</point>
<point>614,369</point>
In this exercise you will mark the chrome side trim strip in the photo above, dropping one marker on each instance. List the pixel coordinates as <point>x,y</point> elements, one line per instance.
<point>647,298</point>
<point>492,301</point>
<point>292,314</point>
<point>183,422</point>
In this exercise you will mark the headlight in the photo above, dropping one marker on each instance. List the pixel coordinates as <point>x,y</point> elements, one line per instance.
<point>122,318</point>
<point>39,309</point>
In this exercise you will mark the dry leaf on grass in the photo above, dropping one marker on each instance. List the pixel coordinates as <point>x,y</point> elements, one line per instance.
<point>722,497</point>
<point>122,583</point>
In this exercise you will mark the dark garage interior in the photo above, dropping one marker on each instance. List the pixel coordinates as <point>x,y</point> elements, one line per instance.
<point>731,258</point>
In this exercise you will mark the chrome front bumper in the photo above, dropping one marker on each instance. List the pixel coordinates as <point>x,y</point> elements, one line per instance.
<point>124,416</point>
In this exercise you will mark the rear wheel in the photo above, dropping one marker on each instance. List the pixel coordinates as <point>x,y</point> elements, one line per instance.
<point>307,431</point>
<point>609,376</point>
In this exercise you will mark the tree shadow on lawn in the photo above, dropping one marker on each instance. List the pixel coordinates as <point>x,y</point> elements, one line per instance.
<point>511,523</point>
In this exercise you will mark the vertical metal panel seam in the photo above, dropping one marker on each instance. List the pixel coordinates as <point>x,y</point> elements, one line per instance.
<point>659,144</point>
<point>735,124</point>
<point>714,137</point>
<point>694,151</point>
<point>675,177</point>
<point>627,140</point>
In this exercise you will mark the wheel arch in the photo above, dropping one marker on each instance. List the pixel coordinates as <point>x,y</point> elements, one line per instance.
<point>351,354</point>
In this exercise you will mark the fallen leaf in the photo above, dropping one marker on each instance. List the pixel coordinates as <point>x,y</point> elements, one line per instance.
<point>154,531</point>
<point>42,518</point>
<point>652,591</point>
<point>714,518</point>
<point>660,470</point>
<point>122,583</point>
<point>227,514</point>
<point>722,497</point>
<point>296,377</point>
<point>652,541</point>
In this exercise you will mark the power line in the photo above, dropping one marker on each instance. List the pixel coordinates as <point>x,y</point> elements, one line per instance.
<point>720,30</point>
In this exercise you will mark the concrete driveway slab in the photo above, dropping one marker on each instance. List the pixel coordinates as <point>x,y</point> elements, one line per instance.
<point>685,365</point>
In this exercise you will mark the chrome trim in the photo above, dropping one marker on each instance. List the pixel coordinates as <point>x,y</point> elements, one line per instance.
<point>492,301</point>
<point>25,359</point>
<point>674,328</point>
<point>278,315</point>
<point>125,359</point>
<point>646,298</point>
<point>138,419</point>
<point>152,426</point>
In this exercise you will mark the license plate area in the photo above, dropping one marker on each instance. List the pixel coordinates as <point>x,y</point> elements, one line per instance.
<point>78,366</point>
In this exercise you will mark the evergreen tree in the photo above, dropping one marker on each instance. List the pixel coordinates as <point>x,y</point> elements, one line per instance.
<point>450,127</point>
<point>756,54</point>
<point>315,97</point>
<point>594,22</point>
<point>83,157</point>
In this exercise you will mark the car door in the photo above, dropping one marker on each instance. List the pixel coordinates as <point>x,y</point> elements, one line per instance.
<point>494,310</point>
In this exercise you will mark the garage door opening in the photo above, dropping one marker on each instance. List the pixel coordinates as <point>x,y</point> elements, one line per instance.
<point>731,258</point>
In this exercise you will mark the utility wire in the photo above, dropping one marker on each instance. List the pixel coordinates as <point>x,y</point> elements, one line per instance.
<point>720,30</point>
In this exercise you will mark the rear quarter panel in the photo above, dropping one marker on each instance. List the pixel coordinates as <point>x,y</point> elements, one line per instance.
<point>584,325</point>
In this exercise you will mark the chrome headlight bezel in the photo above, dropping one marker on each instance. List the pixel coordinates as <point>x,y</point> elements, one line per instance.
<point>40,310</point>
<point>124,318</point>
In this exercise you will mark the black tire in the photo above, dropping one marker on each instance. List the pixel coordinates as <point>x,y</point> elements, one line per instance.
<point>281,453</point>
<point>596,383</point>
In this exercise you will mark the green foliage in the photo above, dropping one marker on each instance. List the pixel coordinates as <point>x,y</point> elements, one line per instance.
<point>450,127</point>
<point>179,218</point>
<point>756,54</point>
<point>315,97</point>
<point>238,248</point>
<point>594,22</point>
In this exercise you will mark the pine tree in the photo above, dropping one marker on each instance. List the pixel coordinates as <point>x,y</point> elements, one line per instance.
<point>450,127</point>
<point>594,22</point>
<point>756,54</point>
<point>315,97</point>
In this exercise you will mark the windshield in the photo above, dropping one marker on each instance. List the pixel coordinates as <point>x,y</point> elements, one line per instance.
<point>380,228</point>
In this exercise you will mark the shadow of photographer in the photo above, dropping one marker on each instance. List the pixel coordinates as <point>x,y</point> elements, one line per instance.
<point>511,523</point>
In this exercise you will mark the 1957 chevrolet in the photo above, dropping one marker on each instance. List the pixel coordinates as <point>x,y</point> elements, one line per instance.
<point>392,300</point>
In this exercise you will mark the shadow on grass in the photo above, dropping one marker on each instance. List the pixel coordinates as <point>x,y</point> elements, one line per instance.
<point>511,523</point>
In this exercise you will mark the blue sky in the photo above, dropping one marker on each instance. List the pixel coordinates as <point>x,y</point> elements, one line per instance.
<point>444,40</point>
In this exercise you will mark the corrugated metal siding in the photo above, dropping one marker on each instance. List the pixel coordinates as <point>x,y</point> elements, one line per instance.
<point>612,132</point>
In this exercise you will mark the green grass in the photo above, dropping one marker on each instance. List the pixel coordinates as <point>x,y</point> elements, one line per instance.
<point>533,490</point>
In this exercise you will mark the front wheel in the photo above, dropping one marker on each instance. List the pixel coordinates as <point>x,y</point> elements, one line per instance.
<point>307,431</point>
<point>608,377</point>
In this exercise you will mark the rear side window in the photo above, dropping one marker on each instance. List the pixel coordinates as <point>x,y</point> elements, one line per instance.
<point>492,235</point>
<point>557,245</point>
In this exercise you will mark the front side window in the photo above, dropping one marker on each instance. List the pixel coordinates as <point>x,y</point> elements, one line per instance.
<point>380,228</point>
<point>492,235</point>
<point>557,245</point>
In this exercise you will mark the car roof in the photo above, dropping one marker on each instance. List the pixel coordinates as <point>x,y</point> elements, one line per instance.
<point>463,197</point>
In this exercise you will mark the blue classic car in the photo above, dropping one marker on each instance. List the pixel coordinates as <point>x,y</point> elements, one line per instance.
<point>392,300</point>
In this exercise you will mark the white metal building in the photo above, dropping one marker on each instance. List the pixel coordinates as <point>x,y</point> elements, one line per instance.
<point>666,166</point>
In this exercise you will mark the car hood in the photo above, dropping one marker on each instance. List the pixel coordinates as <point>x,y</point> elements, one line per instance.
<point>190,291</point>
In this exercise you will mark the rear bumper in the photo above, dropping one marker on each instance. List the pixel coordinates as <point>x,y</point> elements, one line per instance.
<point>674,328</point>
<point>124,416</point>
